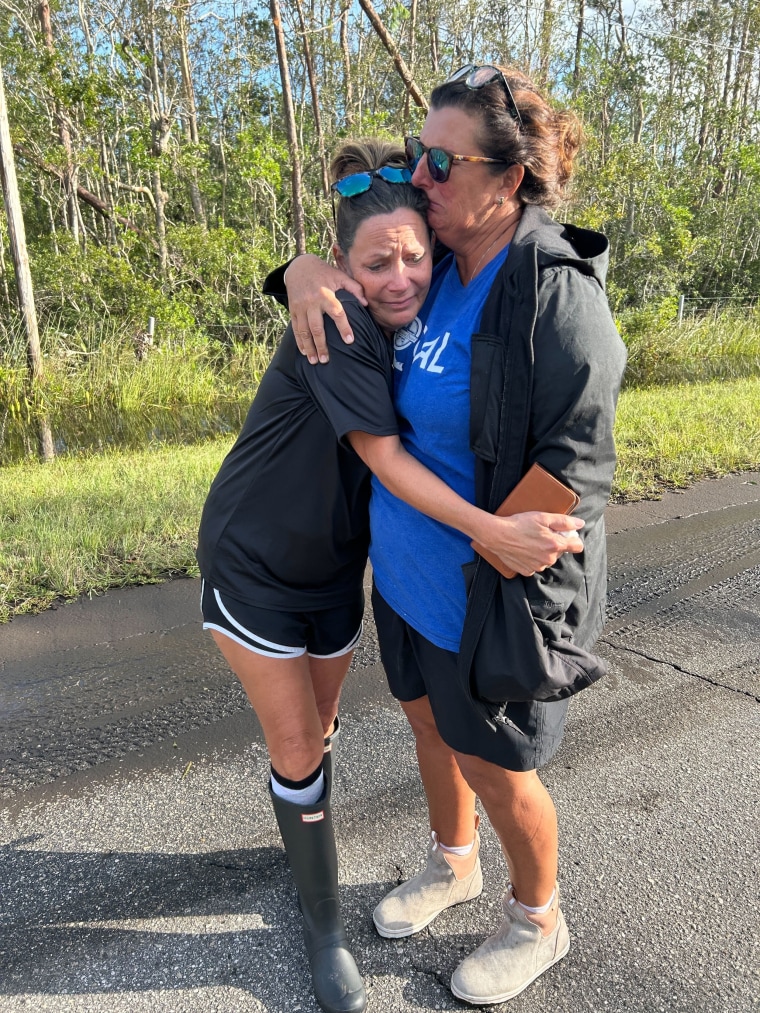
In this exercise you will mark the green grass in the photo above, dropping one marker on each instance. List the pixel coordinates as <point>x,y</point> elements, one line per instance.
<point>80,525</point>
<point>100,376</point>
<point>669,437</point>
<point>84,524</point>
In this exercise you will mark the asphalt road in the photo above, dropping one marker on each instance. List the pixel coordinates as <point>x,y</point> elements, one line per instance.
<point>140,865</point>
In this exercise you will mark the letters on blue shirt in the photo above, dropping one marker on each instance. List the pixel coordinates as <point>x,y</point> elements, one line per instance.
<point>417,561</point>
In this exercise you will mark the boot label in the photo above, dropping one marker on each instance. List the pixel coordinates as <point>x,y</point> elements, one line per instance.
<point>312,817</point>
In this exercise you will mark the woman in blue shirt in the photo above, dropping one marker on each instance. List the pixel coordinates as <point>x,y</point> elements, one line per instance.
<point>514,360</point>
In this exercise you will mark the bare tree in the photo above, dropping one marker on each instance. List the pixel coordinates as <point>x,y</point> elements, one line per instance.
<point>398,60</point>
<point>64,129</point>
<point>309,60</point>
<point>347,76</point>
<point>17,236</point>
<point>290,126</point>
<point>189,113</point>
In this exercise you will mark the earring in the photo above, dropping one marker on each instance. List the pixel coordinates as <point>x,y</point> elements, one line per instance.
<point>500,201</point>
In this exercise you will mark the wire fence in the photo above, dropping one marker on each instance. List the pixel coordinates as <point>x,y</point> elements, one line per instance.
<point>691,306</point>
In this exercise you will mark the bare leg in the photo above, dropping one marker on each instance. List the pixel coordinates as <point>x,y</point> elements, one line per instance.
<point>518,805</point>
<point>451,801</point>
<point>295,700</point>
<point>523,815</point>
<point>327,676</point>
<point>447,879</point>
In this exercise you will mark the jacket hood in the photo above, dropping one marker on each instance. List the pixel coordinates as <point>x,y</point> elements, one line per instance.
<point>560,244</point>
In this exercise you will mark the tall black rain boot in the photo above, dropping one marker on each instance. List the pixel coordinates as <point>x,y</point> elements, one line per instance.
<point>307,833</point>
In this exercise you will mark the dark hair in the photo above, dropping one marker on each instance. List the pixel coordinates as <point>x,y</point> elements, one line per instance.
<point>545,145</point>
<point>382,198</point>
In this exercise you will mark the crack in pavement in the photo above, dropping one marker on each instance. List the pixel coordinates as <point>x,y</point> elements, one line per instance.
<point>679,668</point>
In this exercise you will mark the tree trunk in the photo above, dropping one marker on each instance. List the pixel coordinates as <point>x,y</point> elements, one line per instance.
<point>314,99</point>
<point>64,132</point>
<point>435,45</point>
<point>160,199</point>
<point>290,125</point>
<point>412,50</point>
<point>390,45</point>
<point>579,43</point>
<point>17,237</point>
<point>160,127</point>
<point>347,79</point>
<point>545,44</point>
<point>4,275</point>
<point>191,112</point>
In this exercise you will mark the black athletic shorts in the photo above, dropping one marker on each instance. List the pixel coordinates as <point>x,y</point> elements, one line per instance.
<point>323,633</point>
<point>416,668</point>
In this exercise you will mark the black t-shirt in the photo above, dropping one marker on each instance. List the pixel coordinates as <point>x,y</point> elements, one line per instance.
<point>286,523</point>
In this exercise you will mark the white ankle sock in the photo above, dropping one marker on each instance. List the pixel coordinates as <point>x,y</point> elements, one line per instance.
<point>539,910</point>
<point>463,850</point>
<point>307,795</point>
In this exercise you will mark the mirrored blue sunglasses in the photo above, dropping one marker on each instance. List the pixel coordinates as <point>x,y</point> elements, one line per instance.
<point>360,182</point>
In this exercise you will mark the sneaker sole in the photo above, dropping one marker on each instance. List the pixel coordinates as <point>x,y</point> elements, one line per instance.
<point>504,996</point>
<point>411,929</point>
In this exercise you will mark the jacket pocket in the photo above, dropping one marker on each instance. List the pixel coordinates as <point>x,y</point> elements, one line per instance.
<point>526,652</point>
<point>486,394</point>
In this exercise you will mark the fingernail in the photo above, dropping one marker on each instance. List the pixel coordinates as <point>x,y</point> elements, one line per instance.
<point>324,358</point>
<point>313,360</point>
<point>349,338</point>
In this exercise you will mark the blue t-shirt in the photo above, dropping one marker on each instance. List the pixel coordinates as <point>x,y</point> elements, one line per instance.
<point>417,561</point>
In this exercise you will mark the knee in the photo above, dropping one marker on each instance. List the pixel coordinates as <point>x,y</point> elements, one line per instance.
<point>422,722</point>
<point>296,758</point>
<point>509,790</point>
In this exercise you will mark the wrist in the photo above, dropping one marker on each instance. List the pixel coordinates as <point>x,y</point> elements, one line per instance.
<point>490,530</point>
<point>298,259</point>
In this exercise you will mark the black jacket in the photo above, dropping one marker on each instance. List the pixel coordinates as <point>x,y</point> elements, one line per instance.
<point>547,364</point>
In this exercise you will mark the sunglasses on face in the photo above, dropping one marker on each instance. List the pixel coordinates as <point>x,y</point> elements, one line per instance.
<point>474,77</point>
<point>439,162</point>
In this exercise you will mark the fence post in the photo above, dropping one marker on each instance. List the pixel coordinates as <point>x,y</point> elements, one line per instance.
<point>681,301</point>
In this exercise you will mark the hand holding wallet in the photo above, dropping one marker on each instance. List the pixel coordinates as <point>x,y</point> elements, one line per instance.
<point>536,490</point>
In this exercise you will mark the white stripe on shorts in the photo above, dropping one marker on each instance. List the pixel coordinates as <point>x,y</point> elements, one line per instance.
<point>259,645</point>
<point>345,650</point>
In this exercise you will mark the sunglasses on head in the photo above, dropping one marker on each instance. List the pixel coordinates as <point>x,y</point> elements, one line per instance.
<point>439,162</point>
<point>475,76</point>
<point>360,182</point>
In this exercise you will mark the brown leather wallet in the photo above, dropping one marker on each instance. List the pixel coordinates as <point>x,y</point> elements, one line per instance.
<point>536,490</point>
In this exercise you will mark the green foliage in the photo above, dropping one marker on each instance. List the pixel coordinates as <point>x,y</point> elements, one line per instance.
<point>709,347</point>
<point>670,171</point>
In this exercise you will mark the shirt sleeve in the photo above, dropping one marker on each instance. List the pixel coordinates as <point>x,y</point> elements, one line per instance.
<point>274,284</point>
<point>354,389</point>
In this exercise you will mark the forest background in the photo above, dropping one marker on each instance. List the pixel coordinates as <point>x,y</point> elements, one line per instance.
<point>169,154</point>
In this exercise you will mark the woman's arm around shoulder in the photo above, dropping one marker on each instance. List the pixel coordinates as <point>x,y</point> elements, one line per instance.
<point>310,286</point>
